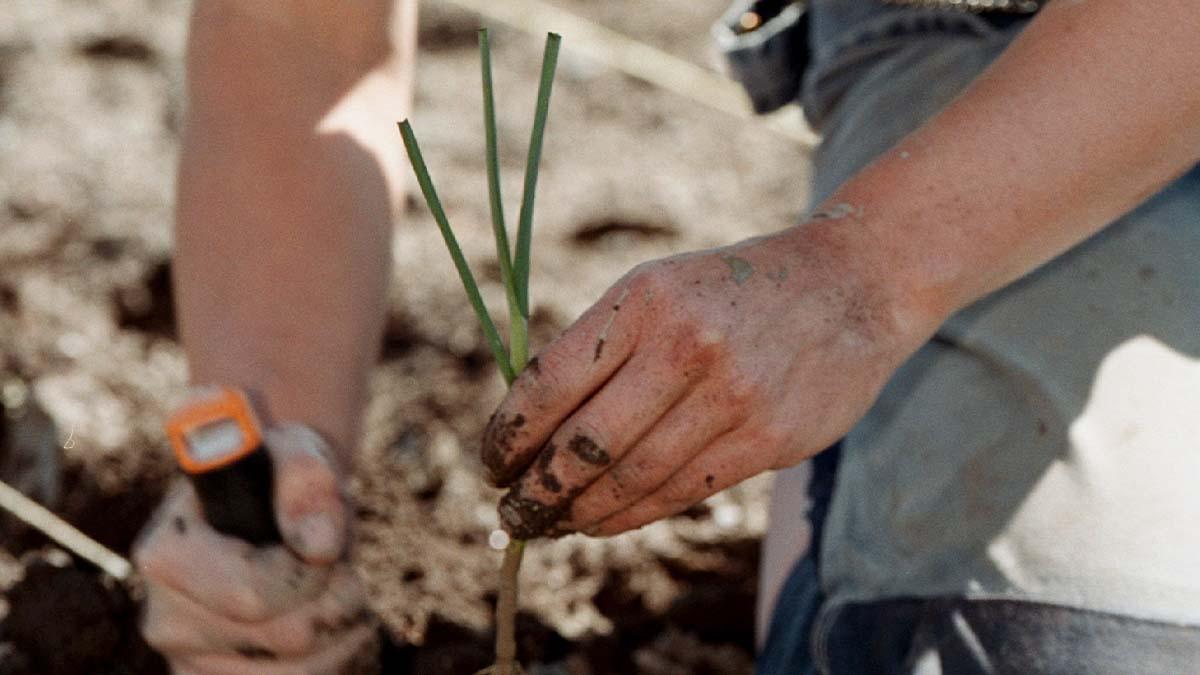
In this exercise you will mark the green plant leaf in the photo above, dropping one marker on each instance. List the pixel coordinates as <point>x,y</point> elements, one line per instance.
<point>503,251</point>
<point>456,254</point>
<point>518,350</point>
<point>525,221</point>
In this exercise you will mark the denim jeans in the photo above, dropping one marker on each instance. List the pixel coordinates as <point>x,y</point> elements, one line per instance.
<point>877,73</point>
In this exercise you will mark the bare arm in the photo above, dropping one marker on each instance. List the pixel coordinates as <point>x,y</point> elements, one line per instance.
<point>288,180</point>
<point>1093,109</point>
<point>289,174</point>
<point>721,364</point>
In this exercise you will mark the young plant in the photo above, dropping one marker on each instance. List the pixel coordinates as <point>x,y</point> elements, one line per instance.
<point>514,273</point>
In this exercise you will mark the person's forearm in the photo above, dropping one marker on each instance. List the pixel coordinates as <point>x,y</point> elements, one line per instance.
<point>1090,111</point>
<point>289,175</point>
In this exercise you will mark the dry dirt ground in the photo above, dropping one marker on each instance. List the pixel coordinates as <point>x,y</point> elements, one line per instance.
<point>90,112</point>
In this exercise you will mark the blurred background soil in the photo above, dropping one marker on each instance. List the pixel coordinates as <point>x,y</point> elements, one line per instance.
<point>90,113</point>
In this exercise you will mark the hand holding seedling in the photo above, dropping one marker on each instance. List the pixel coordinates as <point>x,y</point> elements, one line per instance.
<point>514,273</point>
<point>218,604</point>
<point>692,374</point>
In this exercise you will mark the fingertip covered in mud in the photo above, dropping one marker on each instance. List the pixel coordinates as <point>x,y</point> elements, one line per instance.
<point>497,449</point>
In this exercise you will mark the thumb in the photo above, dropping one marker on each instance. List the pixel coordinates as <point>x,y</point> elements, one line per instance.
<point>309,503</point>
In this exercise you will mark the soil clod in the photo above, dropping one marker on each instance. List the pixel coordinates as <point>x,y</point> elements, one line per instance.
<point>70,620</point>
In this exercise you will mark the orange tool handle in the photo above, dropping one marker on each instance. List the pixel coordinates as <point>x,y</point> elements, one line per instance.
<point>235,485</point>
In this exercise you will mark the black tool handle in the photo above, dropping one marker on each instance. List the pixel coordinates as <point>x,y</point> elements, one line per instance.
<point>238,498</point>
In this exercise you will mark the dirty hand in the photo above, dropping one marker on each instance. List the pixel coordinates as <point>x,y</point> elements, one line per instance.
<point>692,374</point>
<point>218,605</point>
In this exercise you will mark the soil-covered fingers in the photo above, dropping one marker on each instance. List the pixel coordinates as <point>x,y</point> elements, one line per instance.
<point>729,460</point>
<point>587,443</point>
<point>181,551</point>
<point>683,433</point>
<point>558,380</point>
<point>182,629</point>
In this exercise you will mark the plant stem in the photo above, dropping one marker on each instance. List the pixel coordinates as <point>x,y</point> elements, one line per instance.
<point>514,273</point>
<point>525,220</point>
<point>506,602</point>
<point>518,349</point>
<point>506,605</point>
<point>518,339</point>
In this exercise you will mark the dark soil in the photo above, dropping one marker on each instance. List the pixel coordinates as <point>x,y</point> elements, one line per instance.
<point>90,111</point>
<point>65,620</point>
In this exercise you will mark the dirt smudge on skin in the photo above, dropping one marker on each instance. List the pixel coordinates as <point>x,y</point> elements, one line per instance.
<point>740,267</point>
<point>497,446</point>
<point>179,525</point>
<point>526,518</point>
<point>545,477</point>
<point>709,480</point>
<point>586,449</point>
<point>604,331</point>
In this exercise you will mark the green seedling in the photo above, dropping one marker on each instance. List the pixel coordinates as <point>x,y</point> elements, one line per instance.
<point>514,273</point>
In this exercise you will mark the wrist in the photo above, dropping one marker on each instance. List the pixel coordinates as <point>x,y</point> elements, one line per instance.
<point>876,292</point>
